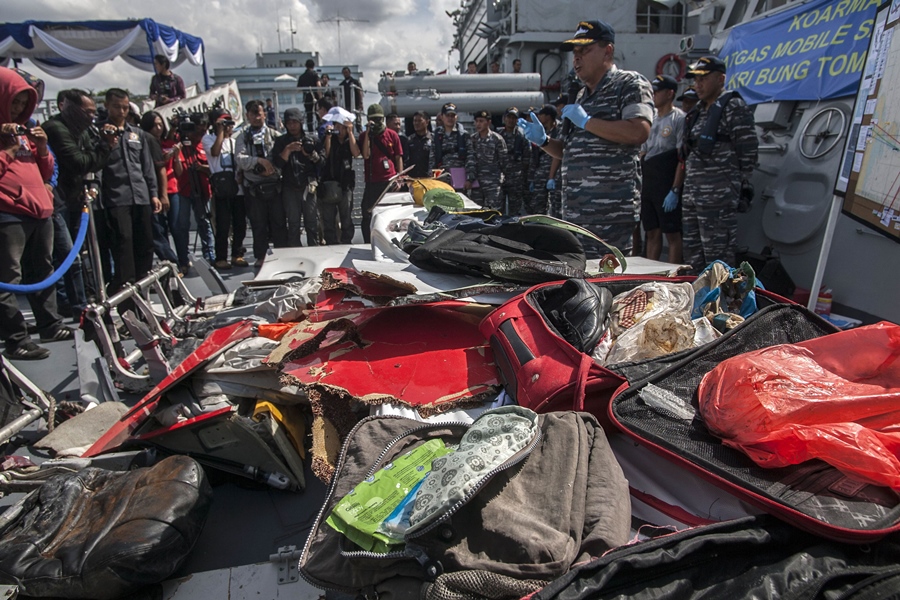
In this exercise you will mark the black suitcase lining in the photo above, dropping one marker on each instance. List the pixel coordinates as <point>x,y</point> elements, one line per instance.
<point>813,488</point>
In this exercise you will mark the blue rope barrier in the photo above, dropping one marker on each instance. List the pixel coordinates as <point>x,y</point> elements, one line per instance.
<point>63,268</point>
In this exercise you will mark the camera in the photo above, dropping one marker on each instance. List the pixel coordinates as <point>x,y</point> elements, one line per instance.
<point>20,130</point>
<point>114,131</point>
<point>309,146</point>
<point>187,124</point>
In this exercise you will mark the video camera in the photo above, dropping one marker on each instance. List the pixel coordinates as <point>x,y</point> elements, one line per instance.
<point>188,123</point>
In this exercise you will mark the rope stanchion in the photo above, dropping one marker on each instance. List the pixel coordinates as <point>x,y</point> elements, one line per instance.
<point>63,268</point>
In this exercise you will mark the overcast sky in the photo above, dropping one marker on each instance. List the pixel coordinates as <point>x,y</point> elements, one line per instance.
<point>395,32</point>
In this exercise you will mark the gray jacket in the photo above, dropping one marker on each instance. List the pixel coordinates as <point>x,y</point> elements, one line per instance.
<point>246,152</point>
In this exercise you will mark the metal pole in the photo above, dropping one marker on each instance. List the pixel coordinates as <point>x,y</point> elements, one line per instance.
<point>836,203</point>
<point>93,246</point>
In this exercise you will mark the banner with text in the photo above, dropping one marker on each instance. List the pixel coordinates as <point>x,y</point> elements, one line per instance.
<point>813,51</point>
<point>226,96</point>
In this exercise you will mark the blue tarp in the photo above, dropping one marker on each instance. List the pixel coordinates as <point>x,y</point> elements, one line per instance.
<point>811,51</point>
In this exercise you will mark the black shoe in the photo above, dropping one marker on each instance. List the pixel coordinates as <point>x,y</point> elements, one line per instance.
<point>27,351</point>
<point>60,334</point>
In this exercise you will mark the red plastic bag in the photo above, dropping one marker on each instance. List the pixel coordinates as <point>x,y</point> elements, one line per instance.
<point>835,398</point>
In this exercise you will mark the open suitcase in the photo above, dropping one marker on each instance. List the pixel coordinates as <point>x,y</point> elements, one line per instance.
<point>542,371</point>
<point>812,495</point>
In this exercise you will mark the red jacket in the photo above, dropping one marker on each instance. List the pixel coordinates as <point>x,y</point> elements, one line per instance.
<point>22,177</point>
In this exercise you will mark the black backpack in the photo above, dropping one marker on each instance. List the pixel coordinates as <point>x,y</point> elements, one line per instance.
<point>754,557</point>
<point>530,249</point>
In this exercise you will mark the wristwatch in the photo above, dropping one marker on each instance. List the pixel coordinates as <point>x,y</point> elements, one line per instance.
<point>546,141</point>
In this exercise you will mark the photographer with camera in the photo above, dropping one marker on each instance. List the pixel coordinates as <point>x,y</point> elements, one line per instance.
<point>129,196</point>
<point>262,182</point>
<point>338,177</point>
<point>296,155</point>
<point>193,179</point>
<point>26,231</point>
<point>231,210</point>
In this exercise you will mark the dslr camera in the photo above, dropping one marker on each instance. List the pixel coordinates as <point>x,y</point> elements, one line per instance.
<point>21,130</point>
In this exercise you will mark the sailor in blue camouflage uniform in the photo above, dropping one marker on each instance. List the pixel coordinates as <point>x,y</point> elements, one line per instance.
<point>449,146</point>
<point>601,140</point>
<point>486,163</point>
<point>519,155</point>
<point>543,196</point>
<point>718,166</point>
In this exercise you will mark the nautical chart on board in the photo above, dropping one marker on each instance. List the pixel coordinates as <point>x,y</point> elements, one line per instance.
<point>870,174</point>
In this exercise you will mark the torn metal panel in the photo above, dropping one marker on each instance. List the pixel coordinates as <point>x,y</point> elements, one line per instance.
<point>217,342</point>
<point>419,356</point>
<point>351,288</point>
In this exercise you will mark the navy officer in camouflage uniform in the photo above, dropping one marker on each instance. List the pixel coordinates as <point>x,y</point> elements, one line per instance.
<point>449,146</point>
<point>599,146</point>
<point>717,171</point>
<point>543,173</point>
<point>486,163</point>
<point>519,155</point>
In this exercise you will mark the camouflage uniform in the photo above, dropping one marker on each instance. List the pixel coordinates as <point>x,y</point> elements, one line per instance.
<point>601,180</point>
<point>519,158</point>
<point>712,183</point>
<point>486,162</point>
<point>542,201</point>
<point>446,149</point>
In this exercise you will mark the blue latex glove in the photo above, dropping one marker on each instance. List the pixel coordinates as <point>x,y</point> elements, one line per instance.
<point>531,187</point>
<point>533,130</point>
<point>576,114</point>
<point>671,201</point>
<point>551,184</point>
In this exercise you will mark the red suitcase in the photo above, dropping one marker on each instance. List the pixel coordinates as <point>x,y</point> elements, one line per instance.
<point>542,371</point>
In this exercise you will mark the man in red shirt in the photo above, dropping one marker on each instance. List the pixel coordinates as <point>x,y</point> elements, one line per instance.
<point>383,156</point>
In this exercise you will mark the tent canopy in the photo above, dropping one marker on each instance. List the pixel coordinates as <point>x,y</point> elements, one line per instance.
<point>70,49</point>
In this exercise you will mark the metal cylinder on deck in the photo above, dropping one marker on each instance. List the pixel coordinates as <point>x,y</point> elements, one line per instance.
<point>484,82</point>
<point>494,102</point>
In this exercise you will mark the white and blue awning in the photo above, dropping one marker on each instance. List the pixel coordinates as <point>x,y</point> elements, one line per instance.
<point>69,50</point>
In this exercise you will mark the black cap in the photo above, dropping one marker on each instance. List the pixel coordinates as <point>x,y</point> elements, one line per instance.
<point>706,65</point>
<point>549,110</point>
<point>293,114</point>
<point>448,108</point>
<point>664,82</point>
<point>562,100</point>
<point>512,110</point>
<point>689,94</point>
<point>483,114</point>
<point>589,32</point>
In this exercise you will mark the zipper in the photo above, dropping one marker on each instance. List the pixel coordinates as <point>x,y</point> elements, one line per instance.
<point>515,460</point>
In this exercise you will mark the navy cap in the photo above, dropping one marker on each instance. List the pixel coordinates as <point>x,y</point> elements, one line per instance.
<point>549,110</point>
<point>483,114</point>
<point>512,110</point>
<point>448,109</point>
<point>705,66</point>
<point>589,32</point>
<point>689,94</point>
<point>664,82</point>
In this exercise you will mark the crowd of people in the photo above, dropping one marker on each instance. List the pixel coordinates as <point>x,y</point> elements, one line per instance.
<point>618,152</point>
